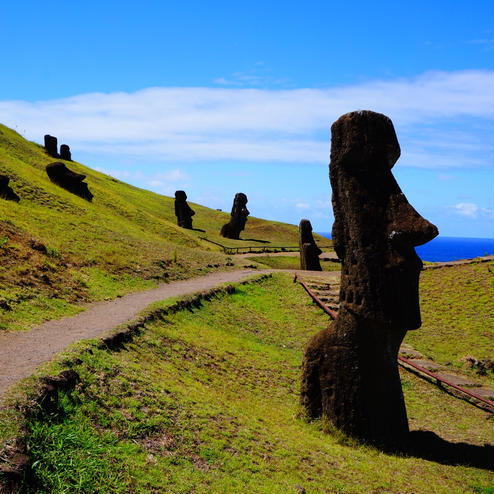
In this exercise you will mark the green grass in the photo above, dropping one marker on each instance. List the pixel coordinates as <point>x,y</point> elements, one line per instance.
<point>126,239</point>
<point>457,313</point>
<point>290,262</point>
<point>207,401</point>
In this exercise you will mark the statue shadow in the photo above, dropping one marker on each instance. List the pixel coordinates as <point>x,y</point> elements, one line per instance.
<point>429,446</point>
<point>255,240</point>
<point>198,230</point>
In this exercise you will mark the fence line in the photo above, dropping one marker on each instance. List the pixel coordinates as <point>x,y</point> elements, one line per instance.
<point>253,248</point>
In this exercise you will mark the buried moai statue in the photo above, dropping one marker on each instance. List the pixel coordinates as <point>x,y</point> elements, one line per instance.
<point>183,211</point>
<point>69,180</point>
<point>6,191</point>
<point>65,152</point>
<point>350,372</point>
<point>51,146</point>
<point>309,251</point>
<point>238,218</point>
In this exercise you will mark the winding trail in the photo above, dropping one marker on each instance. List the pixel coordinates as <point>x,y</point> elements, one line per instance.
<point>22,353</point>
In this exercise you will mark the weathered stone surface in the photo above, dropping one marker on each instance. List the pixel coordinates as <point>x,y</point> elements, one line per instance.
<point>309,251</point>
<point>238,217</point>
<point>65,153</point>
<point>6,192</point>
<point>69,180</point>
<point>183,211</point>
<point>51,146</point>
<point>350,372</point>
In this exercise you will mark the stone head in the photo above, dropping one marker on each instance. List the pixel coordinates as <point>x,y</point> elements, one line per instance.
<point>240,205</point>
<point>375,228</point>
<point>180,196</point>
<point>305,229</point>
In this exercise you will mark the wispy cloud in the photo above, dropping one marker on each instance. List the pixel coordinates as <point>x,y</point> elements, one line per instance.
<point>259,125</point>
<point>473,211</point>
<point>164,182</point>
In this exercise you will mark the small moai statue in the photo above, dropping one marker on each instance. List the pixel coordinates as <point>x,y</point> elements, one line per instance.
<point>309,251</point>
<point>350,371</point>
<point>73,182</point>
<point>183,211</point>
<point>238,218</point>
<point>51,146</point>
<point>65,152</point>
<point>6,191</point>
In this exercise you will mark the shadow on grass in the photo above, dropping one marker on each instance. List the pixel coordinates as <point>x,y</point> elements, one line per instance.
<point>429,446</point>
<point>198,230</point>
<point>255,240</point>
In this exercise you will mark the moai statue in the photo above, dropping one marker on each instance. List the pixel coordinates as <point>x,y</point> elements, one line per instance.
<point>183,211</point>
<point>51,146</point>
<point>65,152</point>
<point>309,251</point>
<point>350,372</point>
<point>69,180</point>
<point>238,217</point>
<point>6,191</point>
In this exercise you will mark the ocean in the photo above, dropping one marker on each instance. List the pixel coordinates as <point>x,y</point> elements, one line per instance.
<point>450,248</point>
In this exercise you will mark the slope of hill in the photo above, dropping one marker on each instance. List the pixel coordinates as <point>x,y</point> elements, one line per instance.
<point>58,251</point>
<point>206,400</point>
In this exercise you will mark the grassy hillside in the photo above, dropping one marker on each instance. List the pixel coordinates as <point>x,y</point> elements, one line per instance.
<point>207,401</point>
<point>58,250</point>
<point>457,314</point>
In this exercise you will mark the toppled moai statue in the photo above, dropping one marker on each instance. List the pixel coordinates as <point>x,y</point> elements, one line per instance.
<point>6,191</point>
<point>350,372</point>
<point>183,211</point>
<point>238,217</point>
<point>69,180</point>
<point>51,146</point>
<point>65,152</point>
<point>309,251</point>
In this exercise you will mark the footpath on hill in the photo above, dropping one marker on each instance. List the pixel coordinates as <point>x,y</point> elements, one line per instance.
<point>22,353</point>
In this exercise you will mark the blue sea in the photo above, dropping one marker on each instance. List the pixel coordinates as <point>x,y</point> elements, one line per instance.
<point>451,248</point>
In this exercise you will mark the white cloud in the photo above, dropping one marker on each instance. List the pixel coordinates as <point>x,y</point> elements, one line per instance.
<point>473,211</point>
<point>259,125</point>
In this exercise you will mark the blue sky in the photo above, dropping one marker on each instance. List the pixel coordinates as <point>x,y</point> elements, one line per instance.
<point>222,97</point>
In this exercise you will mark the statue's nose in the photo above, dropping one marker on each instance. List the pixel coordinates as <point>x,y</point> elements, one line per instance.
<point>407,226</point>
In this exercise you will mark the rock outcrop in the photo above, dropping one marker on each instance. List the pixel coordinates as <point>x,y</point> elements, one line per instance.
<point>6,192</point>
<point>238,218</point>
<point>309,251</point>
<point>350,371</point>
<point>69,180</point>
<point>183,211</point>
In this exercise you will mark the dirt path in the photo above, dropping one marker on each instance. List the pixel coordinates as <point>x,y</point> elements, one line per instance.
<point>22,353</point>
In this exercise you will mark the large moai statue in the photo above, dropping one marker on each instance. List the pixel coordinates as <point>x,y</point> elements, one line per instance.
<point>183,211</point>
<point>238,218</point>
<point>6,192</point>
<point>309,251</point>
<point>350,372</point>
<point>69,180</point>
<point>51,146</point>
<point>65,153</point>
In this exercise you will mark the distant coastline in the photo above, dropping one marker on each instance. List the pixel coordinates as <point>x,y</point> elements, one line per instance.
<point>443,249</point>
